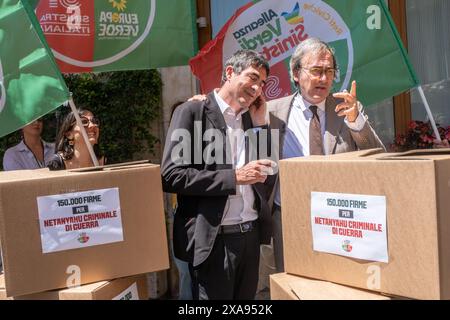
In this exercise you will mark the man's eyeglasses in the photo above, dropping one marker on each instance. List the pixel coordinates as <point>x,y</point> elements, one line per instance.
<point>318,72</point>
<point>85,121</point>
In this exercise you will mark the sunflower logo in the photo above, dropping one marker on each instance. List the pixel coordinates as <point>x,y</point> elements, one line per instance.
<point>120,5</point>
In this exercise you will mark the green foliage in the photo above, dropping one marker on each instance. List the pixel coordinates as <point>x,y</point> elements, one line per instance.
<point>126,104</point>
<point>8,141</point>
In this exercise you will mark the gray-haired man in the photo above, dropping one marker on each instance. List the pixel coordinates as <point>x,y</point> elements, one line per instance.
<point>312,121</point>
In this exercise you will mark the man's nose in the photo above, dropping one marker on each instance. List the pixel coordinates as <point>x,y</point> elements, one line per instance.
<point>323,75</point>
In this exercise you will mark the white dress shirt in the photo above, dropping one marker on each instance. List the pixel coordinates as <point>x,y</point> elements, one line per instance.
<point>296,139</point>
<point>239,207</point>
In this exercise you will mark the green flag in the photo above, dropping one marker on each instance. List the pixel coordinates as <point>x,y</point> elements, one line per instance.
<point>367,46</point>
<point>113,35</point>
<point>30,81</point>
<point>380,62</point>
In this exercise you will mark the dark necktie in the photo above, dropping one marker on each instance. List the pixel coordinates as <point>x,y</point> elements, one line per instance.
<point>315,134</point>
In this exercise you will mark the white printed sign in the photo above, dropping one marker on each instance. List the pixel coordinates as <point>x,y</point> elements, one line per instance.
<point>131,293</point>
<point>80,219</point>
<point>350,225</point>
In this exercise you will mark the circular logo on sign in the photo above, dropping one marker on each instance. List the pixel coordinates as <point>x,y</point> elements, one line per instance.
<point>83,237</point>
<point>346,246</point>
<point>89,34</point>
<point>69,3</point>
<point>275,29</point>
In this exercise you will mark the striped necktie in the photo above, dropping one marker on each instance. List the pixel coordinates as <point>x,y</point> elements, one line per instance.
<point>315,134</point>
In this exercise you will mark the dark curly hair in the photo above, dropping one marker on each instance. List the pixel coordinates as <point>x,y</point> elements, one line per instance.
<point>63,146</point>
<point>244,59</point>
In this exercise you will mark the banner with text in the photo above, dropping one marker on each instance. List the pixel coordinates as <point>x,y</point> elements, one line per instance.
<point>80,219</point>
<point>107,35</point>
<point>362,33</point>
<point>350,225</point>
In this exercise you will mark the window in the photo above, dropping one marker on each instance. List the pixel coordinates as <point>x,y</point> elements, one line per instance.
<point>381,117</point>
<point>428,25</point>
<point>221,11</point>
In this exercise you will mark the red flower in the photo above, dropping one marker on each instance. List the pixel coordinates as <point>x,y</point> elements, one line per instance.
<point>412,125</point>
<point>420,135</point>
<point>426,138</point>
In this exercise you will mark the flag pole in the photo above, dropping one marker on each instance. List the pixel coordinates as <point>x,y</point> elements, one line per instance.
<point>83,132</point>
<point>430,115</point>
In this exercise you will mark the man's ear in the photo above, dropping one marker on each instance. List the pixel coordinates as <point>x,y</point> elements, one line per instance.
<point>296,77</point>
<point>229,72</point>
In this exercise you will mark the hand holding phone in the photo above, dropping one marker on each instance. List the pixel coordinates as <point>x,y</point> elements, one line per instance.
<point>257,103</point>
<point>258,111</point>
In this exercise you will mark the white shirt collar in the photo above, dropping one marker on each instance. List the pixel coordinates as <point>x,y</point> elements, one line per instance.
<point>301,103</point>
<point>225,107</point>
<point>22,147</point>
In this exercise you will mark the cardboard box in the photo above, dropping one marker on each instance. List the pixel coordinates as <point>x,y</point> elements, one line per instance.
<point>129,288</point>
<point>285,286</point>
<point>417,188</point>
<point>47,295</point>
<point>141,227</point>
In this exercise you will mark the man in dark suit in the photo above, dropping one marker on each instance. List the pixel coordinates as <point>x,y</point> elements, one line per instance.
<point>314,122</point>
<point>223,214</point>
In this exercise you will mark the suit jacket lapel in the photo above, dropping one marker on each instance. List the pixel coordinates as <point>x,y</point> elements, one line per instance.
<point>215,117</point>
<point>283,113</point>
<point>333,125</point>
<point>212,112</point>
<point>246,121</point>
<point>246,125</point>
<point>279,119</point>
